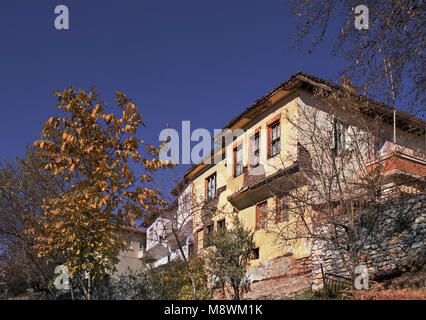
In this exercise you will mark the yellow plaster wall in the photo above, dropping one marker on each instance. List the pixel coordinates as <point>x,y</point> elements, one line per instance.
<point>266,241</point>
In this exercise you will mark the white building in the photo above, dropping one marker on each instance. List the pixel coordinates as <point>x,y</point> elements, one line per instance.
<point>171,231</point>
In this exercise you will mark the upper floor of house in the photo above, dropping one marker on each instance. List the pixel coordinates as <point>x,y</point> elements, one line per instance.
<point>268,136</point>
<point>282,131</point>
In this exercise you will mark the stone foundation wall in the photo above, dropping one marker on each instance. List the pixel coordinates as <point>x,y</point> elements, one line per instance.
<point>279,277</point>
<point>398,244</point>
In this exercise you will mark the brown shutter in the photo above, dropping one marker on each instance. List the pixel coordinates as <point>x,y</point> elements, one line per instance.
<point>269,141</point>
<point>234,161</point>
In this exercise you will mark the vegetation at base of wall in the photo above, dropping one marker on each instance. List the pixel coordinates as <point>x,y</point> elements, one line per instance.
<point>378,293</point>
<point>166,282</point>
<point>229,257</point>
<point>407,286</point>
<point>176,283</point>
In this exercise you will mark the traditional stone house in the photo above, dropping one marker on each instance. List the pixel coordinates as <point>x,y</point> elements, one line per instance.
<point>268,151</point>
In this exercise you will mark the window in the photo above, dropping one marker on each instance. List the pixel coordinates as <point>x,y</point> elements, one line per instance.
<point>282,210</point>
<point>221,225</point>
<point>355,204</point>
<point>211,187</point>
<point>238,160</point>
<point>255,254</point>
<point>210,229</point>
<point>190,249</point>
<point>255,149</point>
<point>261,215</point>
<point>274,134</point>
<point>200,239</point>
<point>339,135</point>
<point>359,204</point>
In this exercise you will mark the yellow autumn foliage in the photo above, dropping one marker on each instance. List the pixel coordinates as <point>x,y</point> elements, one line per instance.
<point>94,151</point>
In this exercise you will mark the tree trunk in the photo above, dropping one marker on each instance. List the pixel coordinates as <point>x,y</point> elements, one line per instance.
<point>236,289</point>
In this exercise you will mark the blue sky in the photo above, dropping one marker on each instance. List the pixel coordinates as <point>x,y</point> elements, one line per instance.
<point>203,61</point>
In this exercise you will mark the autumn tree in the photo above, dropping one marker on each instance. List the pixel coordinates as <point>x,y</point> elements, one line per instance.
<point>98,155</point>
<point>229,257</point>
<point>386,60</point>
<point>23,185</point>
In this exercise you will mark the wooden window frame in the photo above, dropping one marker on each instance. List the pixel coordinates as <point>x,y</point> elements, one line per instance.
<point>340,132</point>
<point>252,150</point>
<point>270,124</point>
<point>191,249</point>
<point>279,215</point>
<point>209,230</point>
<point>265,215</point>
<point>359,204</point>
<point>235,153</point>
<point>218,224</point>
<point>206,186</point>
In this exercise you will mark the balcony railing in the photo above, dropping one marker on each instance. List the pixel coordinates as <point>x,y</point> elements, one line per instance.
<point>394,159</point>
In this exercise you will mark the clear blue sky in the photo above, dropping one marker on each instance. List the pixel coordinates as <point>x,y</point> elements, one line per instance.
<point>197,60</point>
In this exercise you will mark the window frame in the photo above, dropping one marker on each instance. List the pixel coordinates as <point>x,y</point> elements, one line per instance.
<point>256,253</point>
<point>270,127</point>
<point>253,149</point>
<point>261,216</point>
<point>340,132</point>
<point>219,225</point>
<point>191,249</point>
<point>207,186</point>
<point>209,230</point>
<point>280,207</point>
<point>235,155</point>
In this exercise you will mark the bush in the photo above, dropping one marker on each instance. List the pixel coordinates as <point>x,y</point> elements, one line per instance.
<point>166,282</point>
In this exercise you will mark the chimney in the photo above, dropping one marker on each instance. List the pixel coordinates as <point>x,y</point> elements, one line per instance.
<point>348,85</point>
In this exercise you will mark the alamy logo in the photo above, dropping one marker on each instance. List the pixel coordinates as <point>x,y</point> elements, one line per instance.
<point>62,280</point>
<point>361,281</point>
<point>361,21</point>
<point>62,21</point>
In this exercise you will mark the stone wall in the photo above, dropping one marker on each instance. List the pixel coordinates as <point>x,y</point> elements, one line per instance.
<point>398,243</point>
<point>279,277</point>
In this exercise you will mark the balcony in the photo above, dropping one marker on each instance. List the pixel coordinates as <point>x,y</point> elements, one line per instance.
<point>182,227</point>
<point>157,250</point>
<point>396,161</point>
<point>259,188</point>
